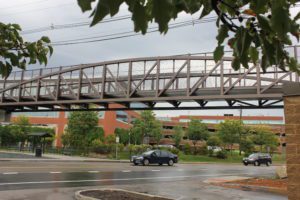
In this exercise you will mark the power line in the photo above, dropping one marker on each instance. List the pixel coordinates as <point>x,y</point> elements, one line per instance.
<point>127,34</point>
<point>149,29</point>
<point>72,25</point>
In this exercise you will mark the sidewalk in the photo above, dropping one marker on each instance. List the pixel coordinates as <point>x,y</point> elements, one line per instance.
<point>57,158</point>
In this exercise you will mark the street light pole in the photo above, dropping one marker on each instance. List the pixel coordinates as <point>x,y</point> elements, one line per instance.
<point>117,142</point>
<point>240,138</point>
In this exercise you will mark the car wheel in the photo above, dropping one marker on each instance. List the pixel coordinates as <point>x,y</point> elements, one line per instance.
<point>268,163</point>
<point>256,163</point>
<point>171,162</point>
<point>160,164</point>
<point>146,162</point>
<point>135,163</point>
<point>246,164</point>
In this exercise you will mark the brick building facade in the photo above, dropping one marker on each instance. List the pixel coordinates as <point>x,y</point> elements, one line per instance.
<point>110,120</point>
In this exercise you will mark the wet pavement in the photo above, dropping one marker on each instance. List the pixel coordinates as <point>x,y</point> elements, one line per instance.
<point>59,180</point>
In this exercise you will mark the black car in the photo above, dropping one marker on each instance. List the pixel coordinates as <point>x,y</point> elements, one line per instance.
<point>155,157</point>
<point>258,158</point>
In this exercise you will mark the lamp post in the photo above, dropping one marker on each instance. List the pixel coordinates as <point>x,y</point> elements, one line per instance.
<point>117,142</point>
<point>240,134</point>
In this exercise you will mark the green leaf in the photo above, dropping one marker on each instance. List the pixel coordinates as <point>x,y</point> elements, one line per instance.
<point>17,27</point>
<point>218,53</point>
<point>14,59</point>
<point>100,11</point>
<point>264,23</point>
<point>297,17</point>
<point>236,64</point>
<point>45,39</point>
<point>50,49</point>
<point>139,17</point>
<point>162,12</point>
<point>259,6</point>
<point>264,63</point>
<point>114,6</point>
<point>293,65</point>
<point>280,20</point>
<point>222,34</point>
<point>85,4</point>
<point>254,54</point>
<point>206,8</point>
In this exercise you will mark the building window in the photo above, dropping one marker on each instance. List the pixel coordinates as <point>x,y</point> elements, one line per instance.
<point>122,116</point>
<point>100,114</point>
<point>184,120</point>
<point>168,127</point>
<point>36,114</point>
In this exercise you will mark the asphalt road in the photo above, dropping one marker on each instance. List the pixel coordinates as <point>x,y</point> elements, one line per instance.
<point>28,177</point>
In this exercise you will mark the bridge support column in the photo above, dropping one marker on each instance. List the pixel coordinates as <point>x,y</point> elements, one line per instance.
<point>4,116</point>
<point>292,130</point>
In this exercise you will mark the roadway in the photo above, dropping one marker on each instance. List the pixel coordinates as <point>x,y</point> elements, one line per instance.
<point>59,180</point>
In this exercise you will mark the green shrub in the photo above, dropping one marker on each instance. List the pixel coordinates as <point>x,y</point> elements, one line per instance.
<point>187,149</point>
<point>201,150</point>
<point>210,153</point>
<point>101,148</point>
<point>175,151</point>
<point>221,154</point>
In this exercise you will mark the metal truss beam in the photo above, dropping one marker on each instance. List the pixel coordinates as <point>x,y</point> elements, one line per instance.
<point>170,79</point>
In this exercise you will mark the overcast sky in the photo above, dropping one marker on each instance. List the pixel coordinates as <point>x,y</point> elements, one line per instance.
<point>34,14</point>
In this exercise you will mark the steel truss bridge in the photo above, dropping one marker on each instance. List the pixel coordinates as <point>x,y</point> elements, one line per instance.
<point>141,83</point>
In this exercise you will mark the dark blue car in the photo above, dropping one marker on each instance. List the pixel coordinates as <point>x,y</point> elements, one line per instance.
<point>155,157</point>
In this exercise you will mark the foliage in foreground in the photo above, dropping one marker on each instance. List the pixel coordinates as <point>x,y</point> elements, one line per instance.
<point>15,52</point>
<point>246,26</point>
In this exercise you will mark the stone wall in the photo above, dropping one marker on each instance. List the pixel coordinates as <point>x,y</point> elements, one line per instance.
<point>292,129</point>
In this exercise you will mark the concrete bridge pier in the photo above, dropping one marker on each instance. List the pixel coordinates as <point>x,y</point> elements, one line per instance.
<point>5,116</point>
<point>292,130</point>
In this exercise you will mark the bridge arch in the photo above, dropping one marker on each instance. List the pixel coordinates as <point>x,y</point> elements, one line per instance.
<point>148,80</point>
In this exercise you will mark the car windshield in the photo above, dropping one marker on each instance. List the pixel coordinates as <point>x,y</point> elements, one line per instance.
<point>253,156</point>
<point>147,153</point>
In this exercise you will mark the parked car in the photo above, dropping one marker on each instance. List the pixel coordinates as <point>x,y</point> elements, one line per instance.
<point>155,157</point>
<point>214,148</point>
<point>166,146</point>
<point>258,158</point>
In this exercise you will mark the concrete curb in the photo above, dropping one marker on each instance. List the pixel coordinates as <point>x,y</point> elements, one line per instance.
<point>79,196</point>
<point>61,160</point>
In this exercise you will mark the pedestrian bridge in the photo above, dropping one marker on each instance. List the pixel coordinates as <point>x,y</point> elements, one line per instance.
<point>141,83</point>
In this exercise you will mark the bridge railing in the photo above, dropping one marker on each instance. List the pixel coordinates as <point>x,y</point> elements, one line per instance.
<point>184,77</point>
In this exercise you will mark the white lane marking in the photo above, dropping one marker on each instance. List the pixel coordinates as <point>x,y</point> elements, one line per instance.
<point>117,179</point>
<point>155,170</point>
<point>126,171</point>
<point>179,169</point>
<point>55,172</point>
<point>10,173</point>
<point>93,171</point>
